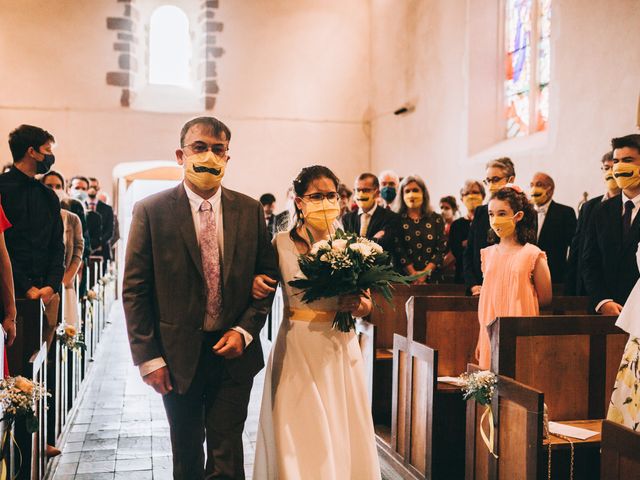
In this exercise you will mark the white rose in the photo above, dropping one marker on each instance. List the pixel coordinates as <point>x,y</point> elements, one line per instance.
<point>356,247</point>
<point>321,245</point>
<point>339,245</point>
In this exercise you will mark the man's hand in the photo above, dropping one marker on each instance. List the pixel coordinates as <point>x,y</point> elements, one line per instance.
<point>159,380</point>
<point>611,308</point>
<point>46,294</point>
<point>263,286</point>
<point>379,235</point>
<point>475,290</point>
<point>67,281</point>
<point>231,345</point>
<point>9,325</point>
<point>33,293</point>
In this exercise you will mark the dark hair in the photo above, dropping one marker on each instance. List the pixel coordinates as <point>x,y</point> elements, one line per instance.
<point>401,207</point>
<point>629,141</point>
<point>607,157</point>
<point>300,186</point>
<point>505,164</point>
<point>526,231</point>
<point>26,136</point>
<point>79,177</point>
<point>216,126</point>
<point>367,176</point>
<point>451,201</point>
<point>343,189</point>
<point>94,179</point>
<point>55,174</point>
<point>267,198</point>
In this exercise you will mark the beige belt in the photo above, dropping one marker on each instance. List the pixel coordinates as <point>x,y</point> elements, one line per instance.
<point>306,315</point>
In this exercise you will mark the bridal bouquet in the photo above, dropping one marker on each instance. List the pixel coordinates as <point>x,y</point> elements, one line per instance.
<point>18,396</point>
<point>69,336</point>
<point>346,265</point>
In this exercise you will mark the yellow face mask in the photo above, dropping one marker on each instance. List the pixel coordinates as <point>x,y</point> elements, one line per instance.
<point>472,201</point>
<point>610,180</point>
<point>627,175</point>
<point>503,226</point>
<point>205,170</point>
<point>365,200</point>
<point>321,216</point>
<point>539,195</point>
<point>413,199</point>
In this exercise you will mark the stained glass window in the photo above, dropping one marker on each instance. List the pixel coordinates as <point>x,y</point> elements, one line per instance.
<point>527,64</point>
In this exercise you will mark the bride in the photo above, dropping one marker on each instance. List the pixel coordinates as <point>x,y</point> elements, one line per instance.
<point>625,399</point>
<point>315,421</point>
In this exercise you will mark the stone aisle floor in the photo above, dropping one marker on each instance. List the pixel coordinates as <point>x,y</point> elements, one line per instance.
<point>120,430</point>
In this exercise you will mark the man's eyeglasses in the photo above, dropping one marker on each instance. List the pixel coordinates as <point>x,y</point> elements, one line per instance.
<point>606,168</point>
<point>365,190</point>
<point>218,149</point>
<point>318,197</point>
<point>492,180</point>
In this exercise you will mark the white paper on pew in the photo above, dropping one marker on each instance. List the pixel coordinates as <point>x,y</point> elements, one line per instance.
<point>457,381</point>
<point>569,431</point>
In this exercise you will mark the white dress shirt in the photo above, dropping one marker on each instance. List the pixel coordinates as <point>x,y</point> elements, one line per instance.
<point>542,214</point>
<point>194,202</point>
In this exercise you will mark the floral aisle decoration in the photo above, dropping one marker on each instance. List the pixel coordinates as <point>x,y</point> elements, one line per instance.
<point>481,386</point>
<point>18,396</point>
<point>346,265</point>
<point>69,336</point>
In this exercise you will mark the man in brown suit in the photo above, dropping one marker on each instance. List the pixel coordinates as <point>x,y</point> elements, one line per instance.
<point>193,326</point>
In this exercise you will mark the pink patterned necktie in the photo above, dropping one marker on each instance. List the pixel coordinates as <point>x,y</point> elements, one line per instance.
<point>210,263</point>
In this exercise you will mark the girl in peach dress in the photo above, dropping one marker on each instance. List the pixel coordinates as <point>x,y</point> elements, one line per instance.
<point>516,274</point>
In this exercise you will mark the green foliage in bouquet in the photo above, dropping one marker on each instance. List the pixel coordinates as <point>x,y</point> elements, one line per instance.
<point>479,386</point>
<point>346,265</point>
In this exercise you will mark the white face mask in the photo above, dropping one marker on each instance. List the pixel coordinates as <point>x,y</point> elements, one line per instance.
<point>62,195</point>
<point>80,195</point>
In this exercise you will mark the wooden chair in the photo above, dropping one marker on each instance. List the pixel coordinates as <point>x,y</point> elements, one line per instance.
<point>620,452</point>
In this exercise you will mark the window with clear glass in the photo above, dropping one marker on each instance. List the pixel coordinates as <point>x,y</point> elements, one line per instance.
<point>527,66</point>
<point>169,47</point>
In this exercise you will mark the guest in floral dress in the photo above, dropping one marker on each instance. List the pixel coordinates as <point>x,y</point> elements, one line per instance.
<point>422,244</point>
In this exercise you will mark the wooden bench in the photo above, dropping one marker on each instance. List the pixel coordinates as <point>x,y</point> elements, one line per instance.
<point>620,452</point>
<point>569,362</point>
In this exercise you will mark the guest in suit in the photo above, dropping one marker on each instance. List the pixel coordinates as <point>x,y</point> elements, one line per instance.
<point>556,225</point>
<point>193,326</point>
<point>574,284</point>
<point>106,216</point>
<point>78,189</point>
<point>389,182</point>
<point>609,267</point>
<point>472,195</point>
<point>268,202</point>
<point>422,243</point>
<point>449,212</point>
<point>499,172</point>
<point>345,199</point>
<point>370,220</point>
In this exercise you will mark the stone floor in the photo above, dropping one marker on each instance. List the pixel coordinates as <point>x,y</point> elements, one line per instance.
<point>120,430</point>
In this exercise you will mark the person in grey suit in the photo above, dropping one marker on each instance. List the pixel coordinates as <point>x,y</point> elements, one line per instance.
<point>194,328</point>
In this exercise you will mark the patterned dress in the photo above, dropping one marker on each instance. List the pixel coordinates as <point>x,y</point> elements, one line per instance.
<point>422,241</point>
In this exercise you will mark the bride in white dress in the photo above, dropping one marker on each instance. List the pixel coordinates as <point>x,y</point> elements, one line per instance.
<point>315,421</point>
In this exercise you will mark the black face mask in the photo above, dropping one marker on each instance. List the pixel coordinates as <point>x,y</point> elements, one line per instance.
<point>45,165</point>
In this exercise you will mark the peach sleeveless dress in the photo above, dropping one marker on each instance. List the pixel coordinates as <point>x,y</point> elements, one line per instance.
<point>507,289</point>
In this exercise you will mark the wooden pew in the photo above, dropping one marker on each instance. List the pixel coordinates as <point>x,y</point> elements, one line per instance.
<point>620,452</point>
<point>571,361</point>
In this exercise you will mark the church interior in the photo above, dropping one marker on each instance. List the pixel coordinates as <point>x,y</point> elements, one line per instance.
<point>454,98</point>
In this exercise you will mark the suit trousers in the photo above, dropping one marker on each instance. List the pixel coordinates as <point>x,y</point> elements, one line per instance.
<point>214,410</point>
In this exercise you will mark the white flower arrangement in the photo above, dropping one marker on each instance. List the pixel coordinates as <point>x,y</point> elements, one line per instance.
<point>18,396</point>
<point>70,337</point>
<point>479,386</point>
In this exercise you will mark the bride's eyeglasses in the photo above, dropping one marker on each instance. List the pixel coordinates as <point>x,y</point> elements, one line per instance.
<point>319,196</point>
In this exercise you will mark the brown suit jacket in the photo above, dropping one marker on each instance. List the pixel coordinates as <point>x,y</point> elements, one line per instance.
<point>164,292</point>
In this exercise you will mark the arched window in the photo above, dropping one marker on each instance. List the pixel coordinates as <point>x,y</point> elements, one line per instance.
<point>169,47</point>
<point>527,66</point>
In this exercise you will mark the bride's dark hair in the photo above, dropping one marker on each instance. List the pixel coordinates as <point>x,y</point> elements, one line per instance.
<point>300,186</point>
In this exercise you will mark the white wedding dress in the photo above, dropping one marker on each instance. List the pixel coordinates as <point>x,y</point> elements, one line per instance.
<point>315,421</point>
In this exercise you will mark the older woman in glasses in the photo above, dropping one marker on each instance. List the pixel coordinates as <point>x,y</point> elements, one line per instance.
<point>422,243</point>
